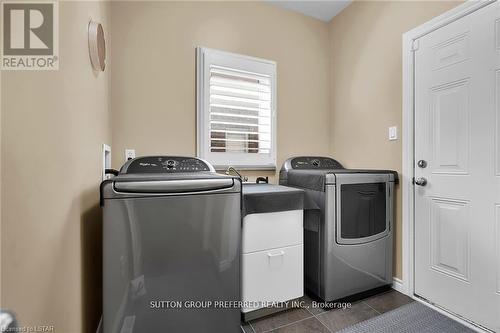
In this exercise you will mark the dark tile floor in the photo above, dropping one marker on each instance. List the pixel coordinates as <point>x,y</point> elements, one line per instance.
<point>312,320</point>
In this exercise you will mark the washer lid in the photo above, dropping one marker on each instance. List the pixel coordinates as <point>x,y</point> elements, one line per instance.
<point>143,185</point>
<point>169,185</point>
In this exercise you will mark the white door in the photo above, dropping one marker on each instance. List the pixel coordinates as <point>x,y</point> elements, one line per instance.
<point>457,134</point>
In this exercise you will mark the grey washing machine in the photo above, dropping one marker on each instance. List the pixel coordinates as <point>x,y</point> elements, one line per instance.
<point>348,226</point>
<point>171,247</point>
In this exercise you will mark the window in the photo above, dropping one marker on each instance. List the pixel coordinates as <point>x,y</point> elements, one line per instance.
<point>236,102</point>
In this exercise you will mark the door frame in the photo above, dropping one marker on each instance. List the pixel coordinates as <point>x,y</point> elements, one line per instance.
<point>410,44</point>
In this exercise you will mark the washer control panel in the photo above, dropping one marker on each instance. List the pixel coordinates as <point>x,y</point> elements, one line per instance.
<point>314,162</point>
<point>165,164</point>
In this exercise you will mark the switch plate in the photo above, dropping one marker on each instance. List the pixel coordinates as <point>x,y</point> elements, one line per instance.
<point>393,133</point>
<point>129,154</point>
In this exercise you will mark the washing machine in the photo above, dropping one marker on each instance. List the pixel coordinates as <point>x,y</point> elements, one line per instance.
<point>171,247</point>
<point>348,226</point>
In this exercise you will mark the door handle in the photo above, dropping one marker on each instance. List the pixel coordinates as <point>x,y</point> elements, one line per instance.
<point>280,253</point>
<point>420,181</point>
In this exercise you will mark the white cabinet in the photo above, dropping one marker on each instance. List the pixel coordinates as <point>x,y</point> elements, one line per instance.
<point>272,259</point>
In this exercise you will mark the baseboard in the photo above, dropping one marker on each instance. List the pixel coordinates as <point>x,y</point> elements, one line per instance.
<point>397,284</point>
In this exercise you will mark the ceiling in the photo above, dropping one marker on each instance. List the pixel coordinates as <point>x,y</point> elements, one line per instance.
<point>322,10</point>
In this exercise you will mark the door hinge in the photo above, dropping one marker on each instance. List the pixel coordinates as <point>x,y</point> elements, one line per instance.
<point>415,45</point>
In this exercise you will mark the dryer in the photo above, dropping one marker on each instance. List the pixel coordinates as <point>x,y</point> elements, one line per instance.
<point>348,226</point>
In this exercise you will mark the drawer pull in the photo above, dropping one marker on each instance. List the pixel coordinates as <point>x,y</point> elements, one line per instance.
<point>280,253</point>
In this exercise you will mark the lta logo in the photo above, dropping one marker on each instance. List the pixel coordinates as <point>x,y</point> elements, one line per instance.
<point>30,36</point>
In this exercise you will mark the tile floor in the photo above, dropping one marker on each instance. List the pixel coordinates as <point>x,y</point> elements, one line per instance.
<point>316,320</point>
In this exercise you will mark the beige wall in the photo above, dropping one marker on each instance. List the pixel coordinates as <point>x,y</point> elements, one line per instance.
<point>153,89</point>
<point>366,85</point>
<point>53,125</point>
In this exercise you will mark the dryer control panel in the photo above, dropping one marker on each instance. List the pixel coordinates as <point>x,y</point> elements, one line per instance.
<point>165,164</point>
<point>315,162</point>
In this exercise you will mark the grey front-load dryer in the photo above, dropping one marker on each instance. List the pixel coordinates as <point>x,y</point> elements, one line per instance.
<point>171,248</point>
<point>348,226</point>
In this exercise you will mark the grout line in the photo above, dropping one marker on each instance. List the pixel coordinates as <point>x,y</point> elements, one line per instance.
<point>327,328</point>
<point>371,307</point>
<point>316,317</point>
<point>312,314</point>
<point>295,322</point>
<point>320,314</point>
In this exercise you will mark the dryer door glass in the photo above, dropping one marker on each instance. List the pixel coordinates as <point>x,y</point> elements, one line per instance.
<point>363,213</point>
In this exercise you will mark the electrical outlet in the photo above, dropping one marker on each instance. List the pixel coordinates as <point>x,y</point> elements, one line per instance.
<point>129,154</point>
<point>393,133</point>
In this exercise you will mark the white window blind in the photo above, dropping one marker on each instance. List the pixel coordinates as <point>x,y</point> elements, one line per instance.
<point>236,110</point>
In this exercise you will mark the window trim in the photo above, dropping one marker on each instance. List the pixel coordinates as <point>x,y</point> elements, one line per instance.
<point>202,116</point>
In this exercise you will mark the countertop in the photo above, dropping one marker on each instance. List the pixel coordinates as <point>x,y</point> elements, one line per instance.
<point>268,198</point>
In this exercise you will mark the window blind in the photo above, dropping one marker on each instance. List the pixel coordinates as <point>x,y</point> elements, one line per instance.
<point>240,111</point>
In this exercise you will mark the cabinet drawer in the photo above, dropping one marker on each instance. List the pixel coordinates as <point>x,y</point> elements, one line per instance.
<point>264,231</point>
<point>272,276</point>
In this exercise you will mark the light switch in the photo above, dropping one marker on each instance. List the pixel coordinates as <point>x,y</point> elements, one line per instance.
<point>393,133</point>
<point>129,154</point>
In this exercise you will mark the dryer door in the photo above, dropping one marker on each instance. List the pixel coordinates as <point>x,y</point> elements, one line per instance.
<point>364,208</point>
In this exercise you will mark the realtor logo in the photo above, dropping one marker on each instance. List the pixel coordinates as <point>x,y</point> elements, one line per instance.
<point>30,36</point>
